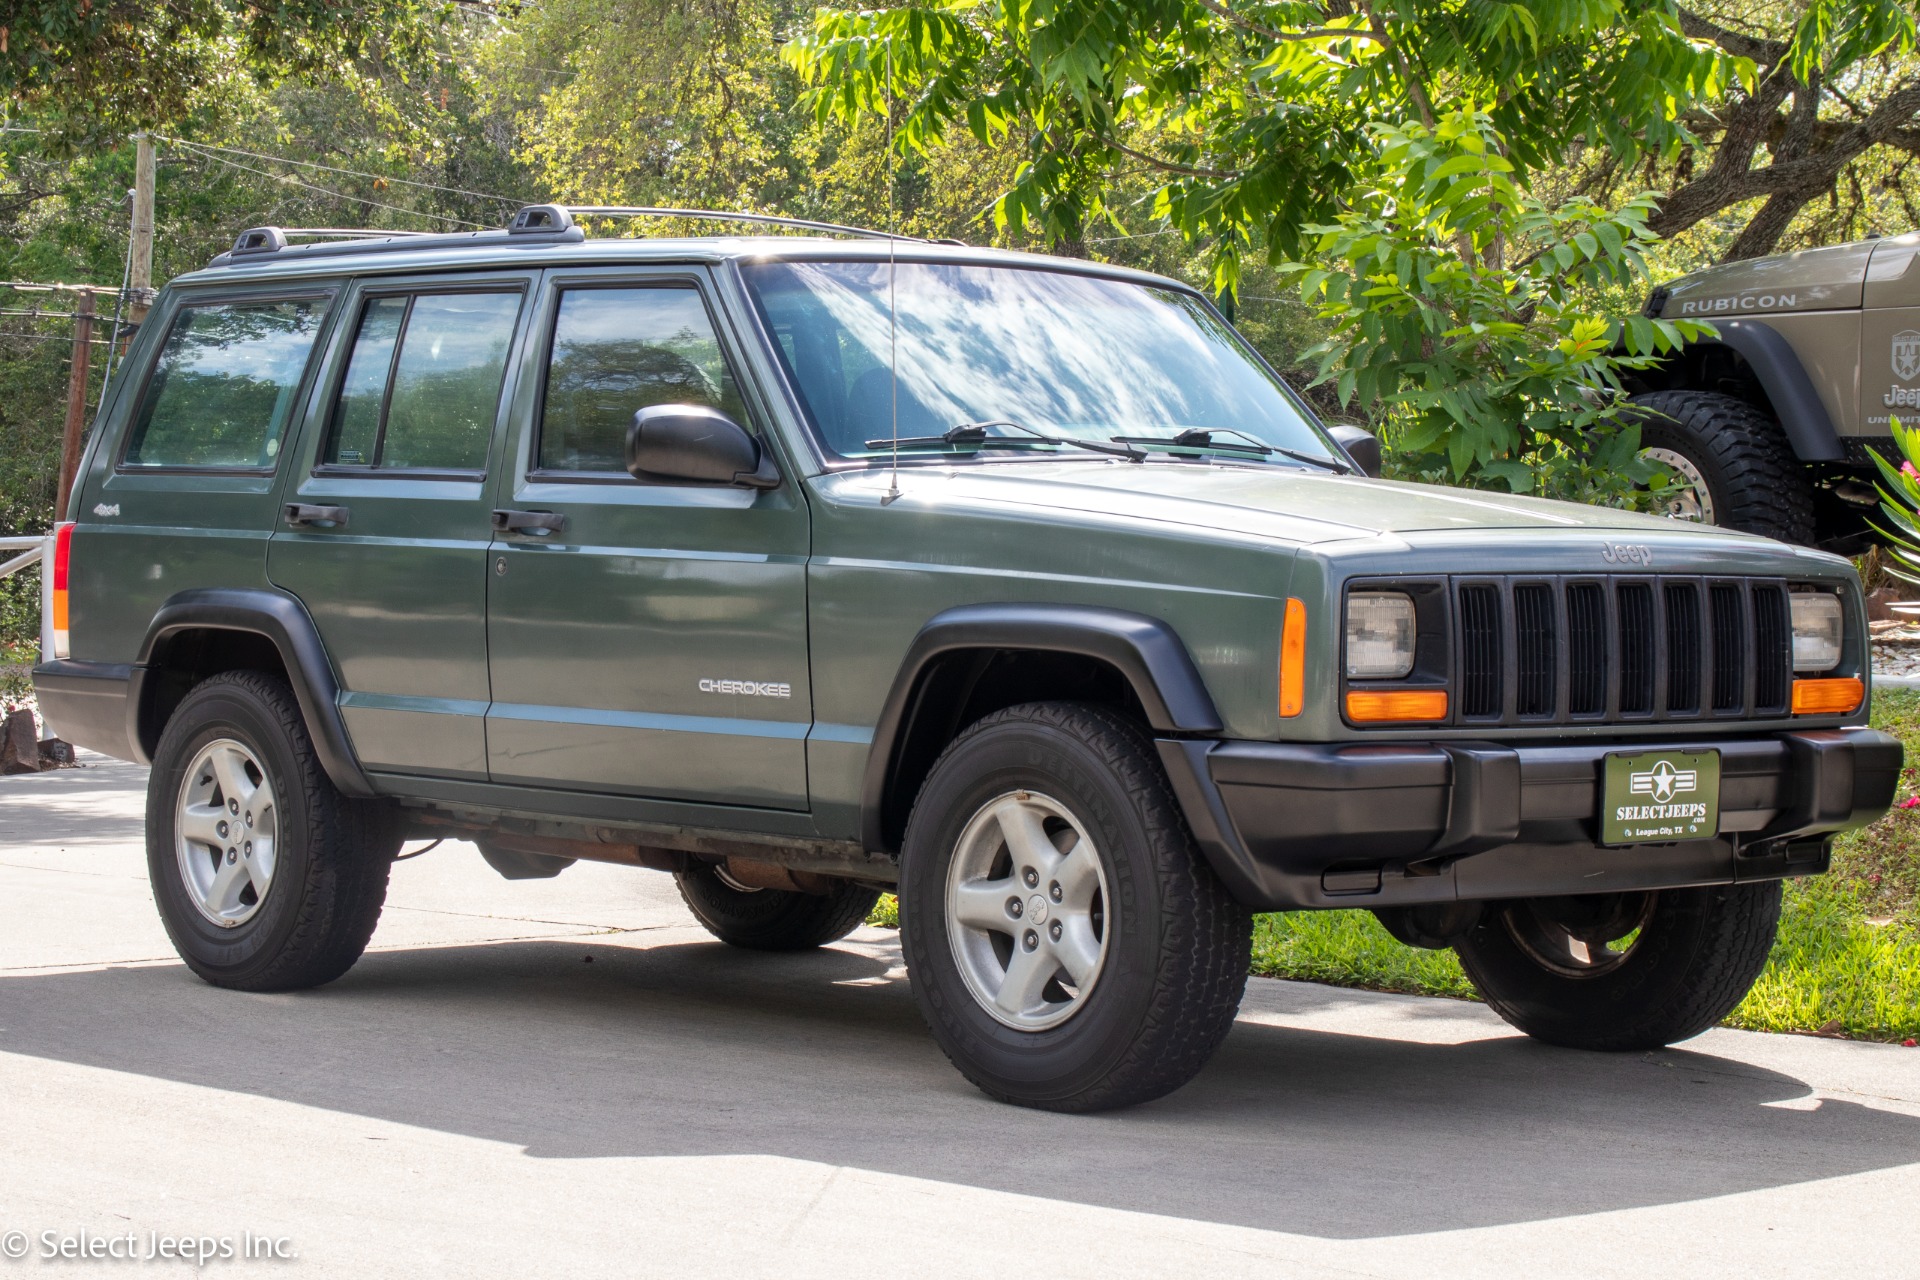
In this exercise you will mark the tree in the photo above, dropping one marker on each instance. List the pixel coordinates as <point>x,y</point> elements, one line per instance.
<point>94,69</point>
<point>1254,116</point>
<point>1830,86</point>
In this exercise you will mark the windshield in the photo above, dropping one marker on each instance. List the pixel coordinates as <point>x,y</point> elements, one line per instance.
<point>1020,353</point>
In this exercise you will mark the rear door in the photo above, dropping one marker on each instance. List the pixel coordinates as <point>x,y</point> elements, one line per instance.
<point>655,643</point>
<point>384,535</point>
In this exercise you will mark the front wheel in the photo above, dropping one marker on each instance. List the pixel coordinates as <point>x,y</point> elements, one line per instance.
<point>1622,971</point>
<point>1069,947</point>
<point>1731,461</point>
<point>756,919</point>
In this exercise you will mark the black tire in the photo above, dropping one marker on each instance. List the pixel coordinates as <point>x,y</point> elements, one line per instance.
<point>332,854</point>
<point>1177,944</point>
<point>773,919</point>
<point>1697,953</point>
<point>1754,482</point>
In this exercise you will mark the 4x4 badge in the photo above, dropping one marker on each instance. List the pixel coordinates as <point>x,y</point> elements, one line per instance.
<point>1906,354</point>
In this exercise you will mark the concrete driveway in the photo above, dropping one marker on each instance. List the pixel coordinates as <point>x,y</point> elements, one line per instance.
<point>569,1077</point>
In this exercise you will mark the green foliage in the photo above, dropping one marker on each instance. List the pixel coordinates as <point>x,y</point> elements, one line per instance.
<point>1253,117</point>
<point>1900,503</point>
<point>94,69</point>
<point>1478,371</point>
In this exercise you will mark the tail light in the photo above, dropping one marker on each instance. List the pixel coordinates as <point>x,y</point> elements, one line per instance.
<point>57,591</point>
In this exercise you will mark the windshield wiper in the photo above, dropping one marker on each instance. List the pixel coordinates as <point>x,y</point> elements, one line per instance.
<point>975,434</point>
<point>1203,438</point>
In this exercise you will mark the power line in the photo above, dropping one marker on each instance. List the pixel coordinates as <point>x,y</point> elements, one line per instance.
<point>352,173</point>
<point>339,195</point>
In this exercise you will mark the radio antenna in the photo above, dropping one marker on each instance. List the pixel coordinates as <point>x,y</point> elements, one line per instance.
<point>893,310</point>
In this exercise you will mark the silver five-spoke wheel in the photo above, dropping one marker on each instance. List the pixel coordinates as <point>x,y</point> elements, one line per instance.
<point>1026,910</point>
<point>225,828</point>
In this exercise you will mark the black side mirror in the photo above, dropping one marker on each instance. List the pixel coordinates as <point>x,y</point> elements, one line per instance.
<point>1361,445</point>
<point>692,443</point>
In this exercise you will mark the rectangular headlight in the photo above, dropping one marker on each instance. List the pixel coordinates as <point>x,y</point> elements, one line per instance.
<point>1380,633</point>
<point>1817,631</point>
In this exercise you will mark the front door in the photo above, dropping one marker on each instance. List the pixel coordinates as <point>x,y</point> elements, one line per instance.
<point>385,535</point>
<point>645,638</point>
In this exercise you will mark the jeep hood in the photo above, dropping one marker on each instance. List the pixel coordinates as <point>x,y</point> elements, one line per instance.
<point>1826,279</point>
<point>1264,502</point>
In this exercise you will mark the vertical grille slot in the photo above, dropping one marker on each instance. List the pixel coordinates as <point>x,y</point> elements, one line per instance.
<point>1586,649</point>
<point>1772,651</point>
<point>1683,647</point>
<point>1635,604</point>
<point>1535,646</point>
<point>1729,651</point>
<point>1479,650</point>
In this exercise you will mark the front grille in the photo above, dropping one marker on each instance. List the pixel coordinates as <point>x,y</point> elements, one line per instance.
<point>1620,648</point>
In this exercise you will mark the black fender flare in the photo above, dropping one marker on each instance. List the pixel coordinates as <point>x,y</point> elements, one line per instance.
<point>1148,653</point>
<point>284,621</point>
<point>1796,403</point>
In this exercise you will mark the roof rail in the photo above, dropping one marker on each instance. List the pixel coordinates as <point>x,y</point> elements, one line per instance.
<point>256,240</point>
<point>548,218</point>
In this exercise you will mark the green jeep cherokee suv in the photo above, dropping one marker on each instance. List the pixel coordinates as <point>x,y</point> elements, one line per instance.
<point>806,568</point>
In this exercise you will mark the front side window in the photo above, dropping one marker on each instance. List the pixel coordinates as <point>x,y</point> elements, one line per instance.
<point>1013,353</point>
<point>422,387</point>
<point>617,351</point>
<point>224,386</point>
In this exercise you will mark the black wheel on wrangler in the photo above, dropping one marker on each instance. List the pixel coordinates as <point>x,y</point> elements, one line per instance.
<point>772,919</point>
<point>1068,945</point>
<point>1733,463</point>
<point>266,877</point>
<point>1626,970</point>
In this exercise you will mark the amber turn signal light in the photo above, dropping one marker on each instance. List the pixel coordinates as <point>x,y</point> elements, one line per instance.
<point>1373,706</point>
<point>1828,697</point>
<point>1293,660</point>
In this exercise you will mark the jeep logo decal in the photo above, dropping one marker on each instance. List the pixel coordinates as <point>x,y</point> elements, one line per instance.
<point>1626,553</point>
<point>1906,354</point>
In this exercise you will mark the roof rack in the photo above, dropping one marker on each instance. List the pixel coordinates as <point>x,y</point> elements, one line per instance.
<point>534,225</point>
<point>559,217</point>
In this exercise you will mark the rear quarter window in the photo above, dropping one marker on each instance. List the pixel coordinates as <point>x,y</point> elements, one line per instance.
<point>223,386</point>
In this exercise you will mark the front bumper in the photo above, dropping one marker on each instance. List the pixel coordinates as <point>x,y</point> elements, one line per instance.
<point>1291,825</point>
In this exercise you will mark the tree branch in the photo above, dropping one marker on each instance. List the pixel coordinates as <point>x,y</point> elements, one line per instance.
<point>1275,33</point>
<point>1216,175</point>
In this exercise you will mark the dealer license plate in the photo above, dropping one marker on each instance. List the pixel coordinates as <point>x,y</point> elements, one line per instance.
<point>1655,797</point>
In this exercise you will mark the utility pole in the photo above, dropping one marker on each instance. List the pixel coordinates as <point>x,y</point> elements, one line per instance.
<point>140,274</point>
<point>76,400</point>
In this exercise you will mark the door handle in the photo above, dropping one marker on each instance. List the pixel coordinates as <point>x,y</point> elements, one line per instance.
<point>537,523</point>
<point>302,514</point>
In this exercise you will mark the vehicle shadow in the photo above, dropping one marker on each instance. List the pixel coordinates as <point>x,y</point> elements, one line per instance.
<point>696,1049</point>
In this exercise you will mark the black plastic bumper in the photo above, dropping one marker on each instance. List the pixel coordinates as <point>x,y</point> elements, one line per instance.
<point>1289,825</point>
<point>87,704</point>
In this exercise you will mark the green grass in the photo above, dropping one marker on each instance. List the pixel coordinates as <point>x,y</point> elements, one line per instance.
<point>1847,960</point>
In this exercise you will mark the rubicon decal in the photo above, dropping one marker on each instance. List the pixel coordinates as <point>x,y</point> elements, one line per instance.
<point>748,688</point>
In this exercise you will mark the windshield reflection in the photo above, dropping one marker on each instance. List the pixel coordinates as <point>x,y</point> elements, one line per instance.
<point>1056,353</point>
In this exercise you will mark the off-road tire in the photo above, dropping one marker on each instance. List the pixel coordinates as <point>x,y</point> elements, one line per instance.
<point>332,858</point>
<point>1176,960</point>
<point>1757,485</point>
<point>773,919</point>
<point>1694,960</point>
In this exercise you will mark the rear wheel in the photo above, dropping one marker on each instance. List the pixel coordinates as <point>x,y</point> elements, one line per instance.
<point>742,915</point>
<point>1624,970</point>
<point>266,877</point>
<point>1068,945</point>
<point>1732,462</point>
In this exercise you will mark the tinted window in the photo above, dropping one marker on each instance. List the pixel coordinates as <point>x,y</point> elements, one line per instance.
<point>616,351</point>
<point>224,385</point>
<point>422,387</point>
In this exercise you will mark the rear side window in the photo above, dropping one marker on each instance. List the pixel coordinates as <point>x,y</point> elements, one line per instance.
<point>422,387</point>
<point>224,385</point>
<point>617,351</point>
